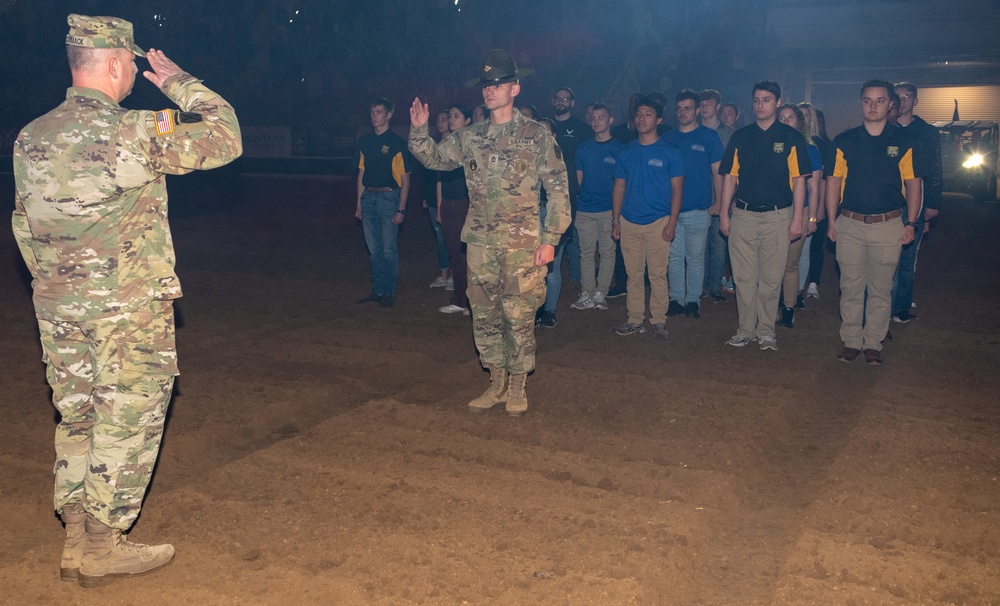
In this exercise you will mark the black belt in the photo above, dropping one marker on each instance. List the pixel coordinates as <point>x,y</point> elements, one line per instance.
<point>757,208</point>
<point>381,190</point>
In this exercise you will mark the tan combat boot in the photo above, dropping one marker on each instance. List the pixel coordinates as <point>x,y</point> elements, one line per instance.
<point>108,556</point>
<point>496,393</point>
<point>74,517</point>
<point>517,399</point>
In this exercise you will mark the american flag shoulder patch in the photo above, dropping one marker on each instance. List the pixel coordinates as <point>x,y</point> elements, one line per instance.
<point>164,122</point>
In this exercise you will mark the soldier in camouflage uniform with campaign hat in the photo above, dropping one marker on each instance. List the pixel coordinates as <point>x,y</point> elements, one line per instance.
<point>507,159</point>
<point>90,219</point>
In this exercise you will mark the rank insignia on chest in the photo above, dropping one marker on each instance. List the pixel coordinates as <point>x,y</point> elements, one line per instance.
<point>892,151</point>
<point>385,149</point>
<point>779,148</point>
<point>520,166</point>
<point>164,122</point>
<point>473,165</point>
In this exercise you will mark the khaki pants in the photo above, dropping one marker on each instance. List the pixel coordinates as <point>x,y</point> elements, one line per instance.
<point>868,255</point>
<point>643,247</point>
<point>505,290</point>
<point>790,284</point>
<point>594,230</point>
<point>758,248</point>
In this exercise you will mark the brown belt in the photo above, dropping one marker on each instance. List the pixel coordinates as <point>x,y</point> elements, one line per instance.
<point>381,190</point>
<point>872,218</point>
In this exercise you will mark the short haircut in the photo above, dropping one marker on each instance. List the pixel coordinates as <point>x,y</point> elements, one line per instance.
<point>709,93</point>
<point>465,109</point>
<point>569,90</point>
<point>600,105</point>
<point>651,102</point>
<point>687,93</point>
<point>84,58</point>
<point>385,103</point>
<point>768,86</point>
<point>877,83</point>
<point>736,108</point>
<point>907,86</point>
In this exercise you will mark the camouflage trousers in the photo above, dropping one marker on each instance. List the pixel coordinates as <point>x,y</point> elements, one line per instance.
<point>505,290</point>
<point>111,382</point>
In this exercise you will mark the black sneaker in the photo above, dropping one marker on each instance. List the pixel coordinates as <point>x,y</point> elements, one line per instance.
<point>903,317</point>
<point>616,292</point>
<point>371,298</point>
<point>674,309</point>
<point>692,311</point>
<point>387,301</point>
<point>548,319</point>
<point>787,317</point>
<point>718,297</point>
<point>800,302</point>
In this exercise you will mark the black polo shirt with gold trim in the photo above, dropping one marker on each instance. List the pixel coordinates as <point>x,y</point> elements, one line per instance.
<point>766,162</point>
<point>874,169</point>
<point>384,158</point>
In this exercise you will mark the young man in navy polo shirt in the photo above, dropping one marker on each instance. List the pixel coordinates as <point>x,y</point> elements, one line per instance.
<point>764,176</point>
<point>645,203</point>
<point>384,167</point>
<point>873,165</point>
<point>702,151</point>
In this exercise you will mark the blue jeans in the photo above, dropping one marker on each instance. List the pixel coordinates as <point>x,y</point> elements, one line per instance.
<point>686,271</point>
<point>716,257</point>
<point>902,280</point>
<point>442,248</point>
<point>377,211</point>
<point>553,279</point>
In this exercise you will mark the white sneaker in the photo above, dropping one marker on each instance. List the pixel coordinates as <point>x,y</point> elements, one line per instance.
<point>599,301</point>
<point>584,302</point>
<point>452,309</point>
<point>768,343</point>
<point>439,282</point>
<point>449,284</point>
<point>812,291</point>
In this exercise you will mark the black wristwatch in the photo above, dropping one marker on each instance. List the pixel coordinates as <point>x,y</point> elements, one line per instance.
<point>402,212</point>
<point>913,224</point>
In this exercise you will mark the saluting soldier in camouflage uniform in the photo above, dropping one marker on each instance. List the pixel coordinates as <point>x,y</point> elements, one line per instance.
<point>90,219</point>
<point>507,159</point>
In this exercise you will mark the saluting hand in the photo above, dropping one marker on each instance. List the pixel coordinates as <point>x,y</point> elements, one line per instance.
<point>163,68</point>
<point>419,113</point>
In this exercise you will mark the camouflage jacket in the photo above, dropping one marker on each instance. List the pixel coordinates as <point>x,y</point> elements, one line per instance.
<point>505,174</point>
<point>90,208</point>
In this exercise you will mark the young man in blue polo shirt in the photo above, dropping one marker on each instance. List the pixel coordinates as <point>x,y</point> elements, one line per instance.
<point>701,149</point>
<point>596,160</point>
<point>764,176</point>
<point>645,204</point>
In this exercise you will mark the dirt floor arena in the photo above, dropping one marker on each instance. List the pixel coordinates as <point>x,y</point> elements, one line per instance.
<point>320,452</point>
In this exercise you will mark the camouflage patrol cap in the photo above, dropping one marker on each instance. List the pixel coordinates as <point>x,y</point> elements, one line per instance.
<point>101,32</point>
<point>497,67</point>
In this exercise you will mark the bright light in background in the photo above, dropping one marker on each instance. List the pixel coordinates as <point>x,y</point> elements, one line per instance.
<point>973,161</point>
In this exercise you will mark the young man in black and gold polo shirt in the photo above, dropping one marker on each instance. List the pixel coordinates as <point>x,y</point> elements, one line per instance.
<point>874,179</point>
<point>384,166</point>
<point>764,178</point>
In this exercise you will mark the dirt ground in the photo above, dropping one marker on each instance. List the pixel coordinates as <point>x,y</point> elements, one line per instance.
<point>320,452</point>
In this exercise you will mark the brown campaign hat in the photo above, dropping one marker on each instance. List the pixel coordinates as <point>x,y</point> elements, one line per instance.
<point>101,32</point>
<point>498,67</point>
